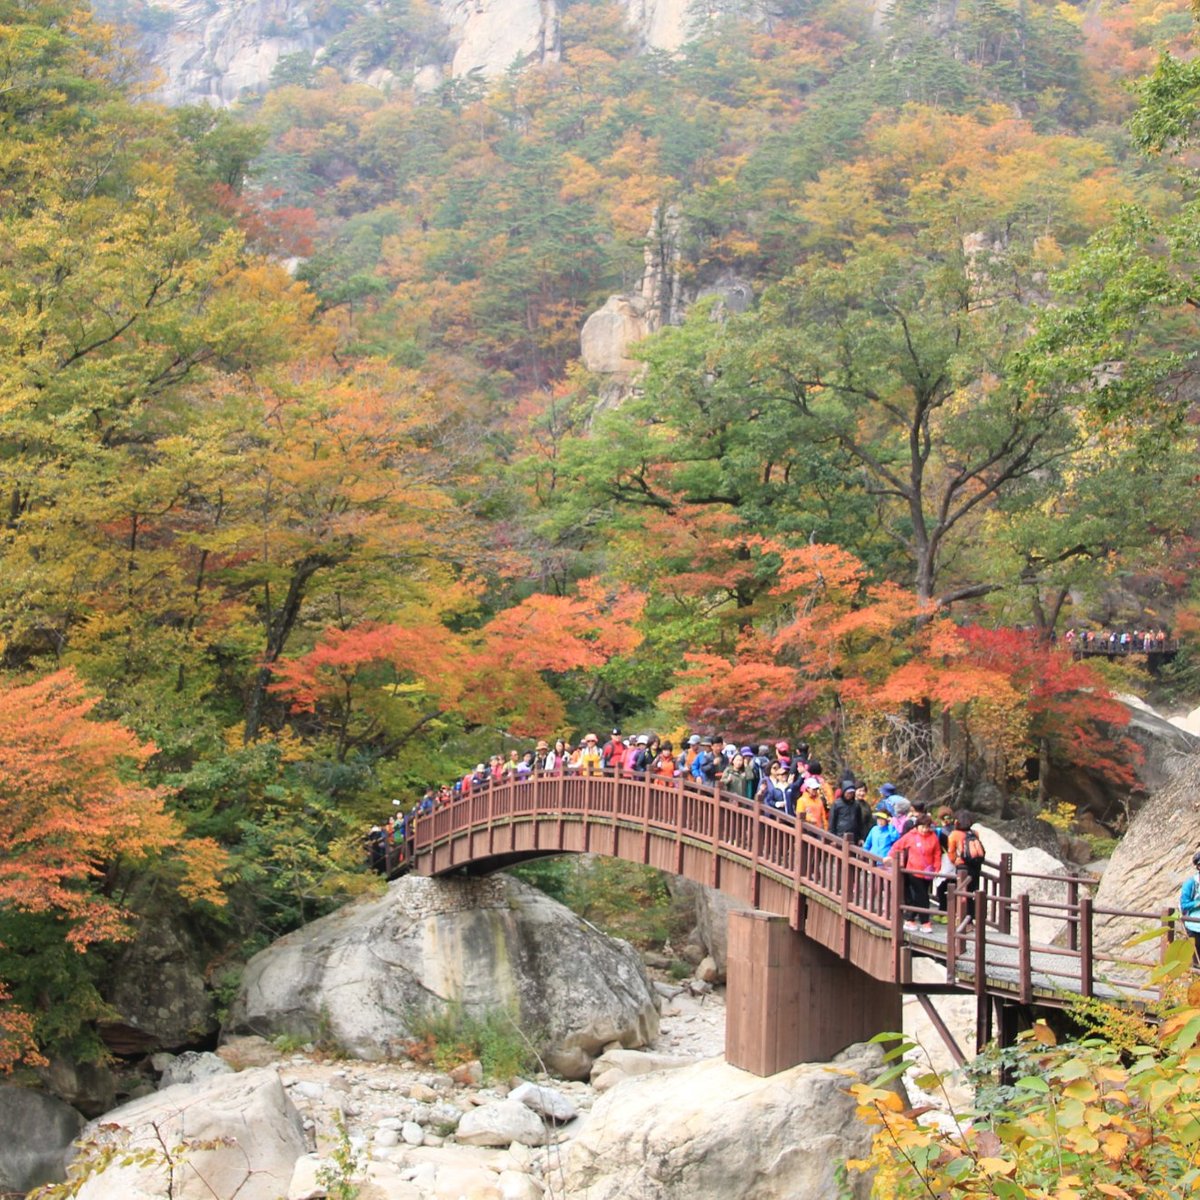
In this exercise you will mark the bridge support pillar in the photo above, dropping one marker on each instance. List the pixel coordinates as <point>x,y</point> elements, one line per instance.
<point>789,1000</point>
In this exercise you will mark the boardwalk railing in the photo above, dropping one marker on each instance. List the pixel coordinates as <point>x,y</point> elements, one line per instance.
<point>1039,938</point>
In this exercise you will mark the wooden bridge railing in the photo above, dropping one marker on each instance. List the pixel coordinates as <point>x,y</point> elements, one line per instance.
<point>791,859</point>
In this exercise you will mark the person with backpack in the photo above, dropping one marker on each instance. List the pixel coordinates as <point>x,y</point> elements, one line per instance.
<point>965,849</point>
<point>612,753</point>
<point>1189,904</point>
<point>705,767</point>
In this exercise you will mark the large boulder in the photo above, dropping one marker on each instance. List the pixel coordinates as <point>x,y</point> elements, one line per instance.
<point>1161,743</point>
<point>1151,861</point>
<point>38,1130</point>
<point>233,1135</point>
<point>712,909</point>
<point>611,332</point>
<point>360,976</point>
<point>711,1131</point>
<point>159,992</point>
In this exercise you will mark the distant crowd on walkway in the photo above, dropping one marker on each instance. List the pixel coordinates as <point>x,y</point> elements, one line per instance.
<point>934,848</point>
<point>1113,641</point>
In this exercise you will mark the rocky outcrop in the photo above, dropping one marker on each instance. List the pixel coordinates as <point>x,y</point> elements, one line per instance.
<point>712,909</point>
<point>235,1135</point>
<point>216,51</point>
<point>711,1131</point>
<point>38,1131</point>
<point>490,36</point>
<point>1162,745</point>
<point>158,990</point>
<point>609,334</point>
<point>360,976</point>
<point>219,51</point>
<point>1152,860</point>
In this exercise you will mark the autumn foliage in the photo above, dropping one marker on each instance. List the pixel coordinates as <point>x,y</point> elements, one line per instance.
<point>71,807</point>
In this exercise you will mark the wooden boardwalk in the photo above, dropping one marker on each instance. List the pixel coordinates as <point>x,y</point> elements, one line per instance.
<point>1037,953</point>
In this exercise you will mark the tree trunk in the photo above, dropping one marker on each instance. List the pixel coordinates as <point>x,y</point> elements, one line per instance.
<point>279,628</point>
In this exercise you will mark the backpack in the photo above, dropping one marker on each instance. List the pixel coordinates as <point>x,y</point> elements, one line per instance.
<point>973,850</point>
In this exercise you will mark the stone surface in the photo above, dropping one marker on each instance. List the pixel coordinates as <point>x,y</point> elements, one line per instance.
<point>251,1134</point>
<point>89,1087</point>
<point>193,1066</point>
<point>490,36</point>
<point>711,1132</point>
<point>1032,861</point>
<point>244,1052</point>
<point>545,1101</point>
<point>499,1124</point>
<point>1163,746</point>
<point>219,51</point>
<point>1151,862</point>
<point>614,1066</point>
<point>38,1130</point>
<point>490,944</point>
<point>611,332</point>
<point>712,909</point>
<point>157,987</point>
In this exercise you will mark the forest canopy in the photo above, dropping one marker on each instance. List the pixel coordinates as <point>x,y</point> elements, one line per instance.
<point>310,499</point>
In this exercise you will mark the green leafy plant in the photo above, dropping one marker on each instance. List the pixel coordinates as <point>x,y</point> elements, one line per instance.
<point>341,1167</point>
<point>448,1037</point>
<point>1085,1118</point>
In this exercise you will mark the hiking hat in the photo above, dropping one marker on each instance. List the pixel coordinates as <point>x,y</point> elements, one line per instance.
<point>888,789</point>
<point>813,785</point>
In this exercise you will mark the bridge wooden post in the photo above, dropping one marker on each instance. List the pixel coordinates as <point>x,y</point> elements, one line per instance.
<point>790,1000</point>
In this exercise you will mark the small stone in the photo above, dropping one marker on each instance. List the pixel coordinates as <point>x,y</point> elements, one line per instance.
<point>500,1124</point>
<point>469,1074</point>
<point>387,1137</point>
<point>393,1123</point>
<point>520,1156</point>
<point>309,1089</point>
<point>545,1101</point>
<point>412,1133</point>
<point>422,1092</point>
<point>706,969</point>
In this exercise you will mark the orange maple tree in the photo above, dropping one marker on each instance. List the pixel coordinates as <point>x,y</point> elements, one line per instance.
<point>71,805</point>
<point>857,651</point>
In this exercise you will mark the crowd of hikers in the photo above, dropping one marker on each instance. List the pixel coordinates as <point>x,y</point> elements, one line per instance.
<point>1112,641</point>
<point>934,848</point>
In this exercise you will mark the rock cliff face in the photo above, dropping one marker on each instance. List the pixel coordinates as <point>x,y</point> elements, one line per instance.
<point>218,51</point>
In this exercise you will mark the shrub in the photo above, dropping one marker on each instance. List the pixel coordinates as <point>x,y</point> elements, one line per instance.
<point>447,1037</point>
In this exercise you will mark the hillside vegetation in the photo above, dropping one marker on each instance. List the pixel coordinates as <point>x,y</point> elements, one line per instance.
<point>309,500</point>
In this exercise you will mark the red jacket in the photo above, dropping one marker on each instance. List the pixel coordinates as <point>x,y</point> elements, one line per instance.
<point>920,851</point>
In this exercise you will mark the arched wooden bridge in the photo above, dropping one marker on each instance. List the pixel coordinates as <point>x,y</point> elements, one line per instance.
<point>824,958</point>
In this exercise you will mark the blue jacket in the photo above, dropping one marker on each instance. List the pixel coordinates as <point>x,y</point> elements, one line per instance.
<point>704,768</point>
<point>881,839</point>
<point>1189,903</point>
